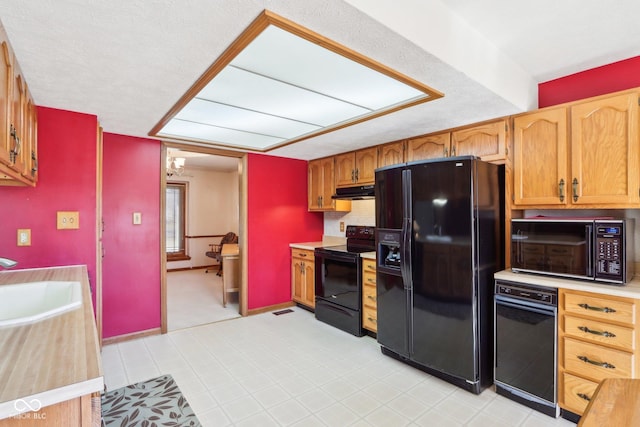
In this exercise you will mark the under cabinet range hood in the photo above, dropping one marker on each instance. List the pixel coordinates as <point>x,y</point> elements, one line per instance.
<point>360,192</point>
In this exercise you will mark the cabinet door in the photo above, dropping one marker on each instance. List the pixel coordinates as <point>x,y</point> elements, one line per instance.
<point>391,154</point>
<point>309,283</point>
<point>604,151</point>
<point>428,147</point>
<point>366,164</point>
<point>487,141</point>
<point>345,170</point>
<point>540,158</point>
<point>5,102</point>
<point>17,121</point>
<point>297,279</point>
<point>315,185</point>
<point>328,188</point>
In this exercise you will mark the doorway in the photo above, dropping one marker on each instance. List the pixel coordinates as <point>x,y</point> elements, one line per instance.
<point>201,202</point>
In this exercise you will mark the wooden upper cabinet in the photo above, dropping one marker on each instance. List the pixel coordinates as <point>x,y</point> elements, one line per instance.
<point>321,187</point>
<point>356,167</point>
<point>366,164</point>
<point>6,83</point>
<point>604,151</point>
<point>18,122</point>
<point>391,154</point>
<point>345,170</point>
<point>488,141</point>
<point>540,158</point>
<point>429,146</point>
<point>315,184</point>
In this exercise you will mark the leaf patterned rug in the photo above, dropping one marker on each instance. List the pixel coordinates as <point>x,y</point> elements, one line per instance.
<point>155,402</point>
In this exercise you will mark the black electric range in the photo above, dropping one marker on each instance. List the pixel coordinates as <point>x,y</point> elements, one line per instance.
<point>339,280</point>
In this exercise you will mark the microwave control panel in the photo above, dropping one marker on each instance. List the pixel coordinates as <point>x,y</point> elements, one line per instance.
<point>609,249</point>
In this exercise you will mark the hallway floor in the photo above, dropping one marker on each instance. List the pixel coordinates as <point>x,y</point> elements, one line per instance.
<point>292,370</point>
<point>195,298</point>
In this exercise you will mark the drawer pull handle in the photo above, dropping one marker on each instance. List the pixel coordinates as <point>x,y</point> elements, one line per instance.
<point>370,280</point>
<point>584,396</point>
<point>594,332</point>
<point>593,362</point>
<point>372,320</point>
<point>371,267</point>
<point>371,297</point>
<point>594,308</point>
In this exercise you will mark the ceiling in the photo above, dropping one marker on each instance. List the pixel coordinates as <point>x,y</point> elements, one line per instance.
<point>129,61</point>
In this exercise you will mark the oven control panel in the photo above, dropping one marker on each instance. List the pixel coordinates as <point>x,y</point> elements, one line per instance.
<point>542,295</point>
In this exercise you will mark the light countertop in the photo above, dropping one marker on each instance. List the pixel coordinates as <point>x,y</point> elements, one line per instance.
<point>54,359</point>
<point>326,241</point>
<point>629,290</point>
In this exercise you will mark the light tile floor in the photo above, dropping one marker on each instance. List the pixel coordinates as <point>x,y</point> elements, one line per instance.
<point>195,298</point>
<point>291,370</point>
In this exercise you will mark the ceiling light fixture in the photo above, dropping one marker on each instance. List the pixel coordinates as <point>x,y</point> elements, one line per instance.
<point>280,83</point>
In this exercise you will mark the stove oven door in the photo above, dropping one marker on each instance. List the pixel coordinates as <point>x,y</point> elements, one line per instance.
<point>339,290</point>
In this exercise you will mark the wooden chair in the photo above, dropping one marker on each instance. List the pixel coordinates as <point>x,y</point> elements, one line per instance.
<point>216,250</point>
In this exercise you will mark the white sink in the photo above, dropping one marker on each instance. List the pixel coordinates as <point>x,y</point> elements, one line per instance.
<point>33,301</point>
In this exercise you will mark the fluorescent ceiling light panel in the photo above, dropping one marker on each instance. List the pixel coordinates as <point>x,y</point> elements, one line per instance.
<point>279,83</point>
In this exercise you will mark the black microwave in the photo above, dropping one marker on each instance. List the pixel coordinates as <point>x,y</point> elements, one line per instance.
<point>591,249</point>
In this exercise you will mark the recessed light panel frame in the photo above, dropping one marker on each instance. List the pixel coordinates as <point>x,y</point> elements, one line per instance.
<point>280,83</point>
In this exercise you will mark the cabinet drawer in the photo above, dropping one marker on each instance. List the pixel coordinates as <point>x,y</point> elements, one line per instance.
<point>369,319</point>
<point>577,393</point>
<point>302,253</point>
<point>369,296</point>
<point>596,362</point>
<point>600,308</point>
<point>369,265</point>
<point>600,332</point>
<point>369,279</point>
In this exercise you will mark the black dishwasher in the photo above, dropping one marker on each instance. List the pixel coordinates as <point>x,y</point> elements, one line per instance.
<point>525,345</point>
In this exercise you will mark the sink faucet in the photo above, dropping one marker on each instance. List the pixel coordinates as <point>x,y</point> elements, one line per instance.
<point>7,263</point>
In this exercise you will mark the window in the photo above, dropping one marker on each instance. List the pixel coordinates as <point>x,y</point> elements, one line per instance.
<point>175,221</point>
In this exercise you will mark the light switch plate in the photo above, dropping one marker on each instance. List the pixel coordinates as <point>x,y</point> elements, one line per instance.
<point>24,237</point>
<point>137,218</point>
<point>68,220</point>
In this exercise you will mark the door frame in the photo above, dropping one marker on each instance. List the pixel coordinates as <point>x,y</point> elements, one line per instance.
<point>242,216</point>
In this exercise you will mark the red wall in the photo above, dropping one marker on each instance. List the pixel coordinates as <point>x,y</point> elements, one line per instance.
<point>67,182</point>
<point>277,216</point>
<point>596,81</point>
<point>131,264</point>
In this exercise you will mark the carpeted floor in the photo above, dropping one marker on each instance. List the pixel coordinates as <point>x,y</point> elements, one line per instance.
<point>155,402</point>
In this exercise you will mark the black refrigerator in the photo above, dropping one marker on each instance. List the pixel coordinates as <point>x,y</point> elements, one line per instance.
<point>439,234</point>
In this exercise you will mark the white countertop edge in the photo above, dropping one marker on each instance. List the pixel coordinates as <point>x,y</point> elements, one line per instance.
<point>629,290</point>
<point>16,269</point>
<point>368,255</point>
<point>51,397</point>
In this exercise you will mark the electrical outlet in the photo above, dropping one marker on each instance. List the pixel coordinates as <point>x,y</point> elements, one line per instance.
<point>68,220</point>
<point>341,225</point>
<point>137,218</point>
<point>24,237</point>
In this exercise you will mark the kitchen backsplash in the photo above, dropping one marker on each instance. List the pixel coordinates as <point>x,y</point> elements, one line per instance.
<point>363,212</point>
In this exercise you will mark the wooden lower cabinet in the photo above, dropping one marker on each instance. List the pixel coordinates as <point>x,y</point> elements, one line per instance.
<point>369,295</point>
<point>597,339</point>
<point>303,277</point>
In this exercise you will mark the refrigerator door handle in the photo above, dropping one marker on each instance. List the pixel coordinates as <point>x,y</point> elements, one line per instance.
<point>406,229</point>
